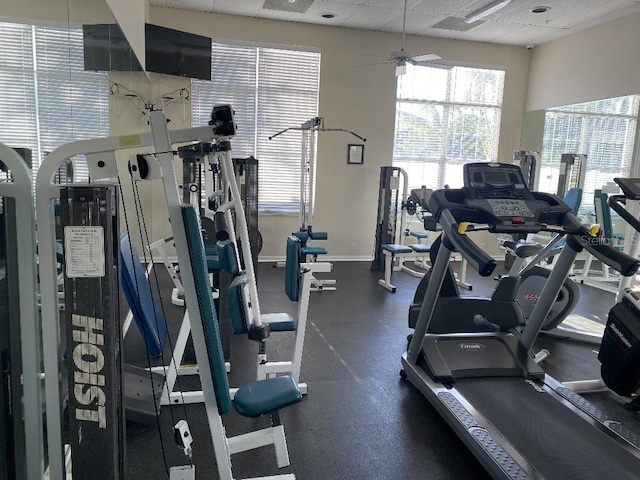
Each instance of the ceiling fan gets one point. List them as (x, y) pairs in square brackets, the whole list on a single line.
[(401, 57)]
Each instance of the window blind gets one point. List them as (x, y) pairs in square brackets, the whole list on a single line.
[(59, 102), (445, 119), (17, 100), (604, 130), (270, 89)]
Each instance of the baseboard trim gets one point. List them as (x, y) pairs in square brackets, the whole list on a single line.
[(322, 258)]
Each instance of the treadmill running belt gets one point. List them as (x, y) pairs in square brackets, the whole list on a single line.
[(556, 442)]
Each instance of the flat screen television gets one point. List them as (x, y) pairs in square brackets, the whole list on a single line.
[(107, 50), (177, 53)]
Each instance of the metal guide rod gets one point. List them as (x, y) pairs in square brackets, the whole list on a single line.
[(241, 221), (21, 190)]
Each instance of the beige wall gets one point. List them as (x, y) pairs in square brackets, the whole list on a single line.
[(132, 15), (362, 100), (600, 62), (56, 11)]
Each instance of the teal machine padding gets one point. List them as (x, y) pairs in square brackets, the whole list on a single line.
[(137, 290), (315, 251), (265, 396), (420, 248), (227, 257), (213, 262), (292, 270), (319, 235), (278, 322), (396, 248), (573, 198), (206, 307), (601, 199), (237, 312)]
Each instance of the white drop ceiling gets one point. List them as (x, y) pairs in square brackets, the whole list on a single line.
[(513, 25)]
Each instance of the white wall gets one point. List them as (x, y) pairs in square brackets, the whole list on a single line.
[(362, 100), (600, 62)]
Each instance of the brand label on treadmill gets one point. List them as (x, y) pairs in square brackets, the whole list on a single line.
[(471, 346), (88, 360), (510, 208)]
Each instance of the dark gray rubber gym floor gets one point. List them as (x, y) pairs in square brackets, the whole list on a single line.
[(359, 420)]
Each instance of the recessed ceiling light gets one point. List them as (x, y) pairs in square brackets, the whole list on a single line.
[(328, 15), (540, 9)]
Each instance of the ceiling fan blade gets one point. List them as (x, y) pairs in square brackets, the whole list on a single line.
[(426, 58), (436, 64), (375, 55), (373, 64)]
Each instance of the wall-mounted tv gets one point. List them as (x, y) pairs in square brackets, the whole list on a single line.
[(177, 53), (107, 49)]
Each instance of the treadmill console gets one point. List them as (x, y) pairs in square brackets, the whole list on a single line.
[(499, 190), (496, 180), (630, 187)]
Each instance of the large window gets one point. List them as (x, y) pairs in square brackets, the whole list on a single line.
[(46, 97), (270, 89), (444, 119), (604, 130)]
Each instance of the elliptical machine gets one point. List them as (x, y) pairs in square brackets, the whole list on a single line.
[(620, 348)]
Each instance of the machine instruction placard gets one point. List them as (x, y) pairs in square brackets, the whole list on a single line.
[(84, 251)]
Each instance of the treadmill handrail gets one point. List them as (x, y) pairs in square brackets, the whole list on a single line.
[(615, 202), (477, 258), (581, 234)]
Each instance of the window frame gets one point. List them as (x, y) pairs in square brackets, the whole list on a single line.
[(452, 110)]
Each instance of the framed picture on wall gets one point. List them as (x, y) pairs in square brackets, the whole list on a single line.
[(355, 154)]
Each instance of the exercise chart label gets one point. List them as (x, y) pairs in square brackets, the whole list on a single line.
[(84, 251)]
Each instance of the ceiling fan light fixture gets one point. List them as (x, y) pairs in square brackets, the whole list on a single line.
[(401, 68), (486, 10)]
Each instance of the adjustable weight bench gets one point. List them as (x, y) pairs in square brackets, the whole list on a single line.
[(395, 255), (262, 397)]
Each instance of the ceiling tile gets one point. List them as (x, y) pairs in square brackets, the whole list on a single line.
[(391, 4), (416, 22), (509, 25), (447, 7), (372, 18), (564, 13), (298, 6), (201, 5), (245, 7)]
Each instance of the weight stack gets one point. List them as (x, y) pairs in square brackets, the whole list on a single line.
[(93, 331)]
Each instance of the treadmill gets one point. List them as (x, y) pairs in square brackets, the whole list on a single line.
[(518, 421)]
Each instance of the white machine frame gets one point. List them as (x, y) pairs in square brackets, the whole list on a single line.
[(100, 154)]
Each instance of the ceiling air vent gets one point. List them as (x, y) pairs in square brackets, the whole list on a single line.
[(455, 23)]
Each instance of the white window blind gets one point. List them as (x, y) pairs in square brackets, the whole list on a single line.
[(270, 89), (444, 119), (604, 130), (58, 101)]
